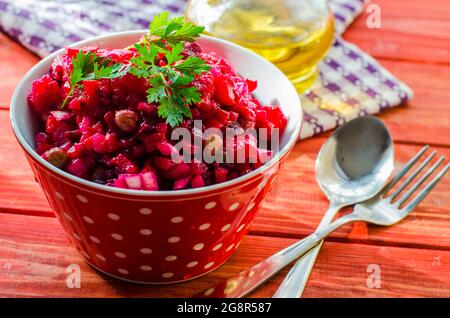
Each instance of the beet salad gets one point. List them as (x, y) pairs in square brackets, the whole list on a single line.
[(108, 114)]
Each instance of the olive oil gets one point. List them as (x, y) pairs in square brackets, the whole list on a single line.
[(293, 34)]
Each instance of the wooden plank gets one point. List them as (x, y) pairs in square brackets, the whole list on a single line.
[(293, 208), (426, 119), (35, 253), (296, 205), (15, 61), (410, 30)]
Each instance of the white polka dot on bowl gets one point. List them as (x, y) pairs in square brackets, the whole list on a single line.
[(198, 247), (174, 239), (204, 226), (251, 206), (171, 258), (233, 207), (113, 216), (75, 235), (82, 198), (176, 219), (94, 239), (100, 257), (210, 205), (225, 227), (120, 254), (230, 247), (145, 268), (117, 236), (123, 271), (217, 247), (88, 220), (145, 211), (240, 228), (192, 264), (146, 250), (59, 195), (209, 292), (68, 217), (209, 265), (145, 232), (167, 275), (85, 254)]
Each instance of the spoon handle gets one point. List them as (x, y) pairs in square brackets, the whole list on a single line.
[(295, 281), (247, 281)]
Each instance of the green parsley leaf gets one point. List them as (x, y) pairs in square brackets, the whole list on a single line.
[(90, 66), (171, 81), (173, 30)]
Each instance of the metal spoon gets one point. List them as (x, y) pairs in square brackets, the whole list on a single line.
[(352, 167), (356, 163)]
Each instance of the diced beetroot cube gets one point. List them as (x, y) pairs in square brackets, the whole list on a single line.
[(111, 143), (197, 182), (146, 108), (224, 93), (166, 149), (261, 116), (151, 141), (181, 183), (220, 174), (61, 115), (134, 182), (98, 143), (163, 163), (276, 116), (45, 94), (221, 115), (177, 171), (77, 167), (123, 163), (252, 85), (42, 143), (149, 181), (233, 116), (75, 151)]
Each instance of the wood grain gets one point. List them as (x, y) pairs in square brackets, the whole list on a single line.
[(292, 209), (412, 30), (414, 256), (35, 254), (15, 61)]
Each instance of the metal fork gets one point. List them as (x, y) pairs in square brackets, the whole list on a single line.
[(383, 209)]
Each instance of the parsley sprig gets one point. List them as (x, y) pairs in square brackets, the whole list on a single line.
[(160, 60), (90, 66), (171, 84)]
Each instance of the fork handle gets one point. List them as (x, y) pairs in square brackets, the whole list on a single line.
[(247, 281), (295, 281)]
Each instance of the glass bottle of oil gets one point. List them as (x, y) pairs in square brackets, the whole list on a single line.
[(293, 34)]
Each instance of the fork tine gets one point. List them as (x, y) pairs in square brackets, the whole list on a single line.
[(408, 194), (427, 189), (412, 176), (405, 169)]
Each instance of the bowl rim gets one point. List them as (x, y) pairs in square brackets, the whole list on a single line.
[(140, 193)]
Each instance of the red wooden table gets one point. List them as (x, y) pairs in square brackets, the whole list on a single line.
[(414, 256)]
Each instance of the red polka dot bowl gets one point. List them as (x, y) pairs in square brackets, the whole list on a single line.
[(165, 236)]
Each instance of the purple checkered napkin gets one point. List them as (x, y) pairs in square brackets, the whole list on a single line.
[(351, 82)]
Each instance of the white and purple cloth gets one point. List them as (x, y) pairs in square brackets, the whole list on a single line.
[(351, 82)]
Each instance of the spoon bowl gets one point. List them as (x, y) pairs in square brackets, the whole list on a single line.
[(351, 167), (355, 163)]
